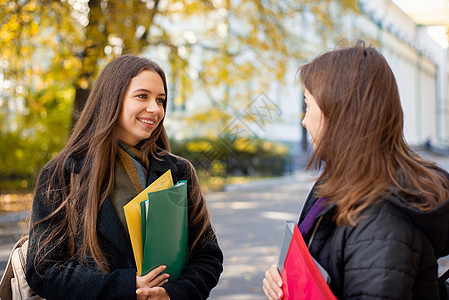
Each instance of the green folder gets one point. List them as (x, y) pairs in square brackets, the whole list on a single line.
[(165, 240), (144, 205)]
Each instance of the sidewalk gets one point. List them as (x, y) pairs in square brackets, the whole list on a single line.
[(14, 217), (12, 226), (439, 156)]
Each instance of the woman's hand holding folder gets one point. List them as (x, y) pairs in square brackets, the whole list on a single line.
[(149, 286), (272, 283), (298, 276)]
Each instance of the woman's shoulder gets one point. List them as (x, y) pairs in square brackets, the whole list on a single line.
[(72, 164), (59, 170), (180, 162), (48, 169), (389, 224), (179, 166), (384, 221), (384, 211)]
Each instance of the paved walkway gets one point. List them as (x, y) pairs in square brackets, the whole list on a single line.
[(11, 228)]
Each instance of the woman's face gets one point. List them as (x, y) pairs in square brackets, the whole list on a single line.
[(314, 118), (142, 108)]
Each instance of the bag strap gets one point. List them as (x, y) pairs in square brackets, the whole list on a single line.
[(443, 277), (5, 283)]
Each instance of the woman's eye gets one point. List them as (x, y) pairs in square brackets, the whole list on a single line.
[(142, 96), (160, 100)]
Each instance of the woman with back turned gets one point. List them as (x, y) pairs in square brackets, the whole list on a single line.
[(380, 216)]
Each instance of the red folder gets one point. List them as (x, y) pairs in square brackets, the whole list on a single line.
[(300, 275)]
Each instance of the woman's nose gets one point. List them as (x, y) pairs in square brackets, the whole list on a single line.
[(152, 106)]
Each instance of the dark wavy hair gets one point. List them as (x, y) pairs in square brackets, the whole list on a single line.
[(361, 148)]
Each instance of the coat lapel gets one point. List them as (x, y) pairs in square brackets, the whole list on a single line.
[(109, 226)]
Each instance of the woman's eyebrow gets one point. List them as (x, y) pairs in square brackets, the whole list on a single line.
[(147, 91)]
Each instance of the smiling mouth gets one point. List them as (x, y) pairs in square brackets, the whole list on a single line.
[(147, 121)]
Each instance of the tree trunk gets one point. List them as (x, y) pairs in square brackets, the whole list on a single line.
[(93, 47), (78, 105)]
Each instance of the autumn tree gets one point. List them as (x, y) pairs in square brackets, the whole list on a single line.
[(255, 43), (51, 52)]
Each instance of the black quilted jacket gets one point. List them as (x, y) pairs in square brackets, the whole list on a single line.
[(391, 254)]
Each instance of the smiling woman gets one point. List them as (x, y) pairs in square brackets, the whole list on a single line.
[(79, 236), (143, 108)]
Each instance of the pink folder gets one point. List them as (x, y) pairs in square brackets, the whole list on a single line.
[(300, 275)]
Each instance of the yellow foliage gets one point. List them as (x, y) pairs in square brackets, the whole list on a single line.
[(25, 18), (25, 51), (34, 28), (13, 24), (193, 7), (211, 116), (67, 64), (83, 83), (39, 85), (198, 146), (245, 145), (6, 36), (217, 167), (19, 154), (267, 146), (281, 149), (30, 6)]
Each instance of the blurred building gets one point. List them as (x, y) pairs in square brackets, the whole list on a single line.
[(419, 63)]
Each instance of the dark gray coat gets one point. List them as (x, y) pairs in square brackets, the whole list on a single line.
[(391, 254), (73, 280)]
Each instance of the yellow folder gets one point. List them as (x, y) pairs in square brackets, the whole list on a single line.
[(133, 215)]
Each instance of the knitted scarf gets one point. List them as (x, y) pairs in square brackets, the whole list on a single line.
[(131, 177)]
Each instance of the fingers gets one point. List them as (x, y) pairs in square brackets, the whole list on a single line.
[(155, 272), (159, 281), (272, 284), (153, 278), (275, 275), (151, 293), (150, 285), (268, 292)]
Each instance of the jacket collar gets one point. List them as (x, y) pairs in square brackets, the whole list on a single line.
[(160, 165)]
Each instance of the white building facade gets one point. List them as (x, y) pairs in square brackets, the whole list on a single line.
[(420, 67)]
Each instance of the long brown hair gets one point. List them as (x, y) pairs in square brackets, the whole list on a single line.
[(361, 148), (93, 140)]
